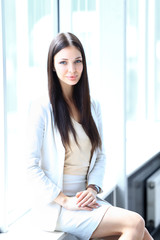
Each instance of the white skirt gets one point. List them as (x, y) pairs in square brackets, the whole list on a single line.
[(79, 223)]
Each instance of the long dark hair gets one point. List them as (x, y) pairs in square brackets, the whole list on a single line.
[(81, 95)]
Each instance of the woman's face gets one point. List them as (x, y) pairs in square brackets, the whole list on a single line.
[(68, 65)]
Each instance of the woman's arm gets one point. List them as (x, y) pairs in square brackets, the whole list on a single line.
[(97, 169), (44, 190)]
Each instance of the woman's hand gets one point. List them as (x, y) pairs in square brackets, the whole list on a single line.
[(87, 198), (70, 203)]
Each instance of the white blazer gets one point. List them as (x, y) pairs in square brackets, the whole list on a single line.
[(45, 161)]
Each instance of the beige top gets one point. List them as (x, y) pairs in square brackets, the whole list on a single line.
[(77, 158)]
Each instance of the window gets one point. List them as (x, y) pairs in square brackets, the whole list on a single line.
[(27, 42), (142, 80)]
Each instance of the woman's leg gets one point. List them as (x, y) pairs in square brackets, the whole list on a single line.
[(124, 224), (147, 235)]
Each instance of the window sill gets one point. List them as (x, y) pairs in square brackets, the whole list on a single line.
[(30, 235), (23, 229)]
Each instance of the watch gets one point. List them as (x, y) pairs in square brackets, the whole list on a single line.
[(95, 187)]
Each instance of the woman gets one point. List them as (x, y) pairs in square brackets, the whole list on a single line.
[(66, 158)]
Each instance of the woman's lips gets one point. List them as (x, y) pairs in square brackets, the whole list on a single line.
[(71, 77)]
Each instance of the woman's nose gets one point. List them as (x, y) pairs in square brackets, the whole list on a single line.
[(71, 67)]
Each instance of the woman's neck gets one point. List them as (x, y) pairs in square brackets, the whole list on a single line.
[(74, 112), (67, 92), (68, 96)]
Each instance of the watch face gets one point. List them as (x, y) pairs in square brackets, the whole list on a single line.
[(97, 188)]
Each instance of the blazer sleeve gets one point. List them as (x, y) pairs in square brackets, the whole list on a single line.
[(43, 188), (96, 175)]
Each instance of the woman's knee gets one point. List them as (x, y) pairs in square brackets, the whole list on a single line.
[(137, 225)]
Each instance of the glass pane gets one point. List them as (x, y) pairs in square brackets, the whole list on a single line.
[(82, 5), (91, 5), (143, 85), (75, 4), (132, 59), (30, 27), (136, 84), (157, 54)]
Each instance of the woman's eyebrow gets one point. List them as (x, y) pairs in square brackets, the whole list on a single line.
[(73, 58), (63, 58)]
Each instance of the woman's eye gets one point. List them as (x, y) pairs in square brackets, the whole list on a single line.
[(78, 61), (63, 62)]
